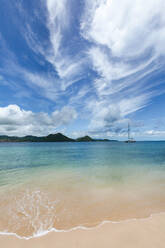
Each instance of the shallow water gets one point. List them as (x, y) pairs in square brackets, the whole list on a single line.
[(64, 185)]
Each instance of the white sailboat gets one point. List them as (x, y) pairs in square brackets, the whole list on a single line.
[(130, 140)]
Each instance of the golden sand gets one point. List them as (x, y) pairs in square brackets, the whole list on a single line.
[(32, 212), (140, 233)]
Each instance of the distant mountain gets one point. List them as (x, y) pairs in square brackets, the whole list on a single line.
[(58, 137), (5, 138), (89, 139), (84, 139)]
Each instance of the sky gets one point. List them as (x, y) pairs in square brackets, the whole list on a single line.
[(82, 67)]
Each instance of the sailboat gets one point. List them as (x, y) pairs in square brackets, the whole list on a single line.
[(130, 140)]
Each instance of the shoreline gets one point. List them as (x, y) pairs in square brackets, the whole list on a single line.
[(153, 227), (105, 234), (81, 227)]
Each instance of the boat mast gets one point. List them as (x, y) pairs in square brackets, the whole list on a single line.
[(128, 131)]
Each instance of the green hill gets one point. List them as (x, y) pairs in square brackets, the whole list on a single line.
[(58, 137), (85, 139)]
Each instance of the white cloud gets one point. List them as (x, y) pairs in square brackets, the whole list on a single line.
[(57, 21), (121, 40), (17, 121), (127, 39), (155, 133), (113, 73), (69, 68), (126, 27), (112, 114), (79, 96)]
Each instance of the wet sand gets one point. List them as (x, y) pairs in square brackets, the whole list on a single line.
[(140, 233)]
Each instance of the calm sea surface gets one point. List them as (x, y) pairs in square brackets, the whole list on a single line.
[(65, 185)]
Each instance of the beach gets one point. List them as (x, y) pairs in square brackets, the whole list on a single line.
[(82, 195), (140, 233), (82, 124)]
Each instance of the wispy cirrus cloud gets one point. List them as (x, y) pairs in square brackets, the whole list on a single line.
[(103, 59), (64, 67), (126, 45), (69, 67), (127, 28)]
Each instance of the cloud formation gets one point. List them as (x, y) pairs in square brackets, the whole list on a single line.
[(100, 58), (68, 67), (126, 38), (17, 121)]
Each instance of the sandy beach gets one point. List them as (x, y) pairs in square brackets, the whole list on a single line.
[(41, 192), (140, 233), (82, 124)]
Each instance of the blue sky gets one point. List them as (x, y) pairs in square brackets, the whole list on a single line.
[(82, 67)]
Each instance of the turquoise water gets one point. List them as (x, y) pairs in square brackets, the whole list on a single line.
[(61, 185), (33, 156)]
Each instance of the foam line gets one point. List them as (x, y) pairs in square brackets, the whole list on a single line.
[(37, 235)]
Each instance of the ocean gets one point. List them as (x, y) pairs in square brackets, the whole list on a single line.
[(61, 186)]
